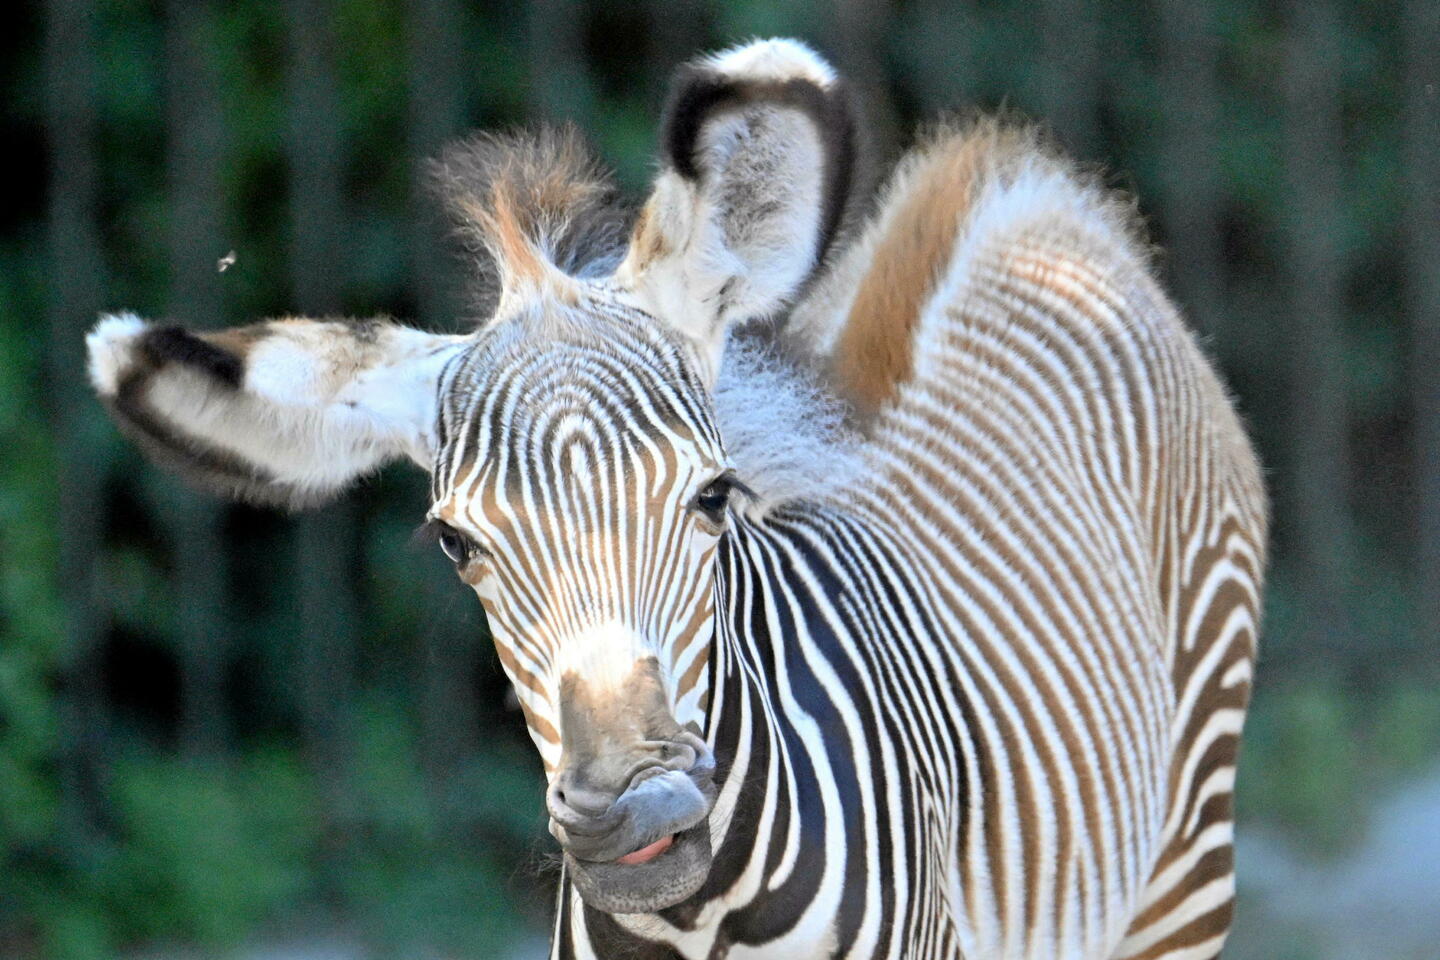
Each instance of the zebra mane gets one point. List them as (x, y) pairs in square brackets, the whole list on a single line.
[(528, 201), (784, 431), (1023, 182)]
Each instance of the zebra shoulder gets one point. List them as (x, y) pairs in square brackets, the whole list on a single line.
[(981, 188)]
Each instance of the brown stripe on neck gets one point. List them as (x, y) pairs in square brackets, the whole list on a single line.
[(874, 353)]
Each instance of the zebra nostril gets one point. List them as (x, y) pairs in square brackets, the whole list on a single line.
[(584, 801)]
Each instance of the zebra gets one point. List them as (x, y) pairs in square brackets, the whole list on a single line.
[(879, 575)]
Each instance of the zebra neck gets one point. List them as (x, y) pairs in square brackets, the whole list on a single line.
[(789, 827), (781, 824)]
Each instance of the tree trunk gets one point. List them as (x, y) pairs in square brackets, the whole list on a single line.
[(77, 272), (860, 34), (449, 711), (1422, 294), (325, 554), (1317, 514), (676, 33), (196, 149), (1070, 74), (436, 114), (1189, 159), (559, 82)]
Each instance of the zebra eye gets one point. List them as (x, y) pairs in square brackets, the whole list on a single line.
[(456, 545), (713, 497)]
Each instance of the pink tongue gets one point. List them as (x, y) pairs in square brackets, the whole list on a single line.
[(646, 854)]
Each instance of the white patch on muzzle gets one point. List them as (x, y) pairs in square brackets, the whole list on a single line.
[(604, 656)]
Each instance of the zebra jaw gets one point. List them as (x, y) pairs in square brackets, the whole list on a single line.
[(667, 877)]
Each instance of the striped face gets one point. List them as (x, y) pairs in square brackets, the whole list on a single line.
[(578, 478), (581, 489)]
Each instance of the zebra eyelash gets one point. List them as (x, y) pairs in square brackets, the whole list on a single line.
[(729, 486), (739, 486), (437, 531)]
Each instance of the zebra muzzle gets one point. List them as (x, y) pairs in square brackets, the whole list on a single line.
[(631, 801), (655, 809)]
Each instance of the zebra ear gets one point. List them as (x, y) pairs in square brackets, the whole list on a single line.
[(283, 412), (758, 152)]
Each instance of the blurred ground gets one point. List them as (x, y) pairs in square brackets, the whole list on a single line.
[(331, 948), (1297, 904)]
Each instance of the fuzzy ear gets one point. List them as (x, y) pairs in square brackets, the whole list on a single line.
[(282, 412), (758, 148)]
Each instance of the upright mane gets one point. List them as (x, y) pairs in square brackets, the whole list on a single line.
[(528, 203)]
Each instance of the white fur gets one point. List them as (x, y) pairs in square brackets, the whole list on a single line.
[(290, 372), (605, 655), (784, 433), (319, 406), (767, 250), (743, 240), (779, 59), (109, 346)]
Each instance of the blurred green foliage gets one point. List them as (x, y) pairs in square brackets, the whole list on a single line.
[(207, 851), (434, 848), (1316, 755)]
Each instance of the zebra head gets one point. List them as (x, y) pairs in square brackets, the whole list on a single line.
[(579, 481)]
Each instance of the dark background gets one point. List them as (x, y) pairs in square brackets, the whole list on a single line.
[(222, 727)]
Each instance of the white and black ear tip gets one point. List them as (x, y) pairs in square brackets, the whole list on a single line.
[(111, 349), (777, 60), (783, 74)]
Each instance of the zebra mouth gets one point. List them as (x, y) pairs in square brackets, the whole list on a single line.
[(652, 850), (648, 853), (665, 877)]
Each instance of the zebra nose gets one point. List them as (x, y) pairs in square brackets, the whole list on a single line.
[(585, 794), (579, 800), (580, 811)]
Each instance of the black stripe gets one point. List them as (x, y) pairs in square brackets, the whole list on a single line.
[(161, 345), (698, 94)]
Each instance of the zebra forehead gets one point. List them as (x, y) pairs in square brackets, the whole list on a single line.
[(532, 392)]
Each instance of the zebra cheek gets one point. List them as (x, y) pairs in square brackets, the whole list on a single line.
[(690, 688), (482, 580)]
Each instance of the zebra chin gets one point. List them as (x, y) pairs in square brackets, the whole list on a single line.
[(672, 876)]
